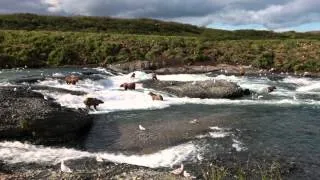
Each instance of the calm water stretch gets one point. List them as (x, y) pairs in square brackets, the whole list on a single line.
[(284, 124)]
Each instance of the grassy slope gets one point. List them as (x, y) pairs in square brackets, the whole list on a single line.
[(170, 42)]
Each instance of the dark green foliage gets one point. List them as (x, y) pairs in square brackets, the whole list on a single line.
[(218, 35), (95, 24), (265, 60), (48, 48), (136, 26)]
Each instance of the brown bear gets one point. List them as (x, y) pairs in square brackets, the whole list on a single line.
[(92, 102), (242, 71), (156, 96), (130, 86), (71, 79)]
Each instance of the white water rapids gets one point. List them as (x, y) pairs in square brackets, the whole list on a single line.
[(116, 99)]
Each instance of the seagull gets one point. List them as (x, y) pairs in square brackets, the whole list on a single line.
[(141, 128), (65, 168), (194, 121), (15, 89), (45, 97), (259, 97), (178, 171), (99, 158), (199, 157)]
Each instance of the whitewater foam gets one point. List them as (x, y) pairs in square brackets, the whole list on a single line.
[(16, 152), (116, 99), (238, 145)]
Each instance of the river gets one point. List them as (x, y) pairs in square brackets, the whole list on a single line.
[(283, 124)]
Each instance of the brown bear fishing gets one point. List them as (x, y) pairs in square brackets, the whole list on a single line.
[(130, 86), (156, 97), (92, 102), (71, 79)]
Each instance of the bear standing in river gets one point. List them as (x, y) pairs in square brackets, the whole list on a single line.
[(130, 86), (71, 79), (92, 102), (156, 96)]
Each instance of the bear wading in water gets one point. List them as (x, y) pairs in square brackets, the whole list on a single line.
[(156, 97), (130, 86), (71, 79), (92, 102)]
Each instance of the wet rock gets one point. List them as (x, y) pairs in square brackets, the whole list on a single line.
[(198, 89), (27, 115), (28, 79)]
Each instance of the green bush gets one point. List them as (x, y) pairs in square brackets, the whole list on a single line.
[(265, 60)]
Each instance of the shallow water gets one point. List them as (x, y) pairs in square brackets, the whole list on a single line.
[(283, 124)]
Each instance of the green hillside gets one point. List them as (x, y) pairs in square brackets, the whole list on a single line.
[(135, 26), (48, 48), (39, 41)]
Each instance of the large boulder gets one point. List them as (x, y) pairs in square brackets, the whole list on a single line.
[(27, 115), (198, 89)]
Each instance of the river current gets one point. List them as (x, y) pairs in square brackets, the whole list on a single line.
[(283, 124)]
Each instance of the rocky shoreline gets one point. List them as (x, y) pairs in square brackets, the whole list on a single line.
[(227, 166), (164, 68)]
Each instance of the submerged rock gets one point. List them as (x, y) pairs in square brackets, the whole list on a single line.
[(27, 115), (198, 89)]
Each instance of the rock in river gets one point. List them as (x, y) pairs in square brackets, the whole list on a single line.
[(198, 89), (26, 115)]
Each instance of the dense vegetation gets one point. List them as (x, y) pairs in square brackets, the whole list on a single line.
[(136, 26), (57, 41), (95, 24), (47, 48)]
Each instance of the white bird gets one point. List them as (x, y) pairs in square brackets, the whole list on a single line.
[(194, 121), (29, 88), (14, 89), (45, 97), (178, 171), (99, 158), (187, 175), (65, 168), (199, 157), (259, 97), (141, 128)]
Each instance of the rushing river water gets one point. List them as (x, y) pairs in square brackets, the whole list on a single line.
[(284, 124)]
